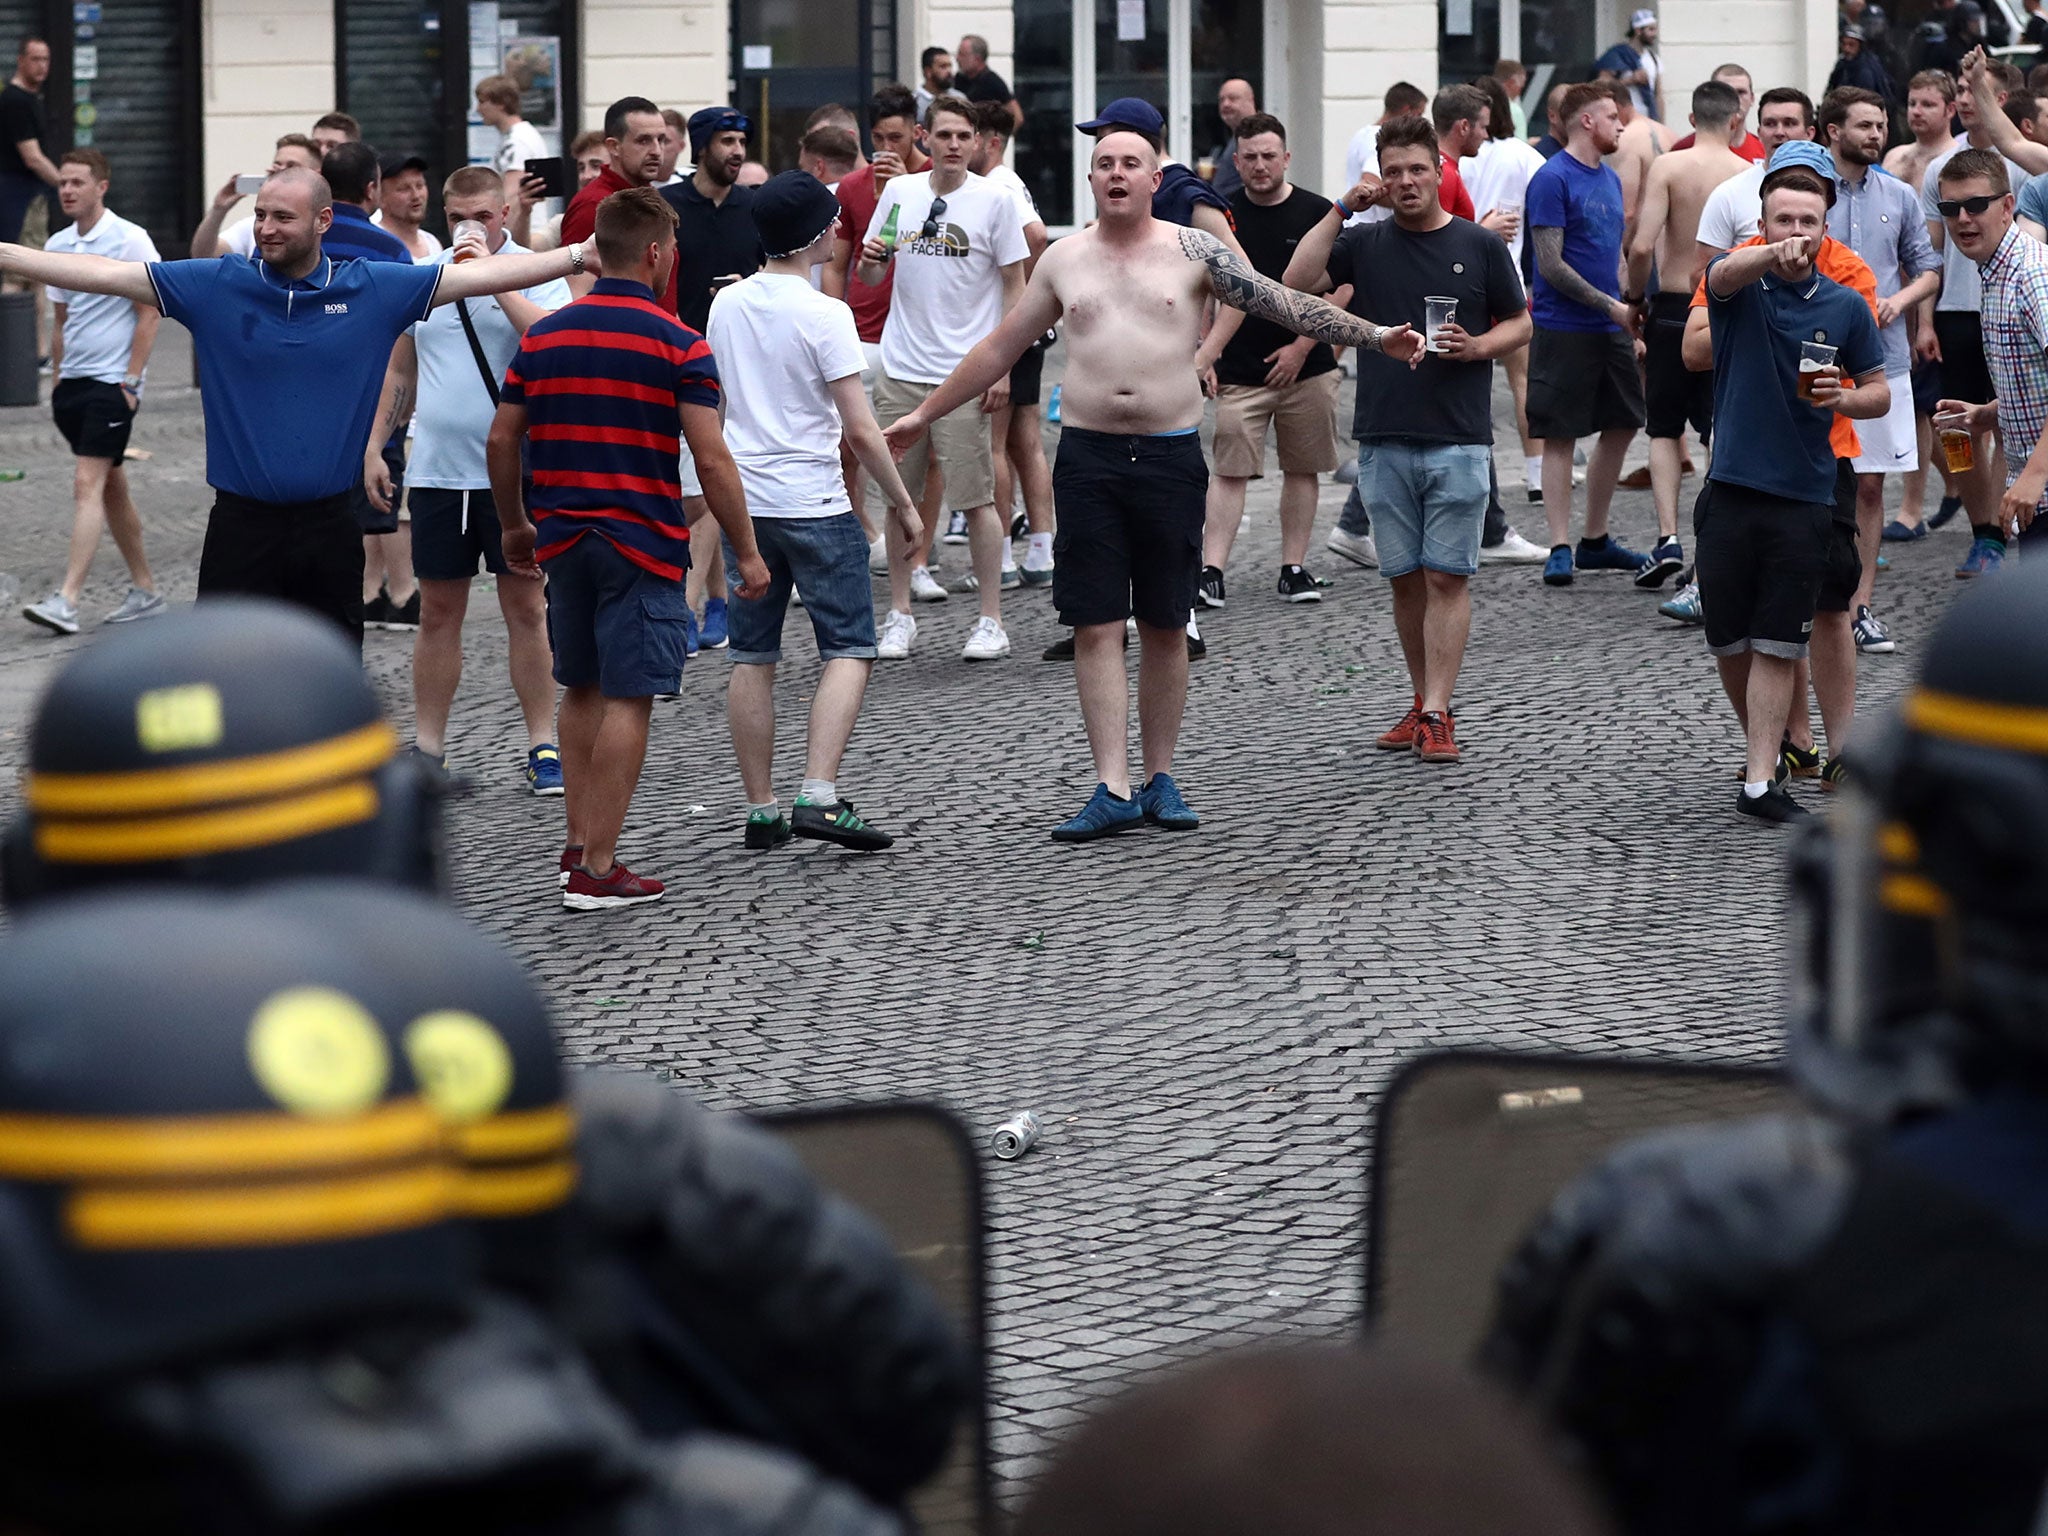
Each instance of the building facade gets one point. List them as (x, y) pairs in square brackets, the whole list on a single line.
[(183, 94)]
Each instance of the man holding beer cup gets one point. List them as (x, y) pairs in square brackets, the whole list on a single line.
[(1976, 205), (1785, 339)]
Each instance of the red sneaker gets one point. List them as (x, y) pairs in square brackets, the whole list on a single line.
[(1402, 737), (571, 857), (1435, 738), (621, 888)]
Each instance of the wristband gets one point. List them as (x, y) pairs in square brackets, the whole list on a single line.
[(576, 259)]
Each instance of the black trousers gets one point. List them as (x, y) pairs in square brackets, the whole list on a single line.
[(309, 553)]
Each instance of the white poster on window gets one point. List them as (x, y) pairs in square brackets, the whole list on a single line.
[(1130, 21)]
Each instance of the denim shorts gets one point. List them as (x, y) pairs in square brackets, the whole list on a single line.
[(826, 559), (1428, 503), (615, 627)]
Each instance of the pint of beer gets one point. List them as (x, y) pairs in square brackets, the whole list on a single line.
[(1813, 357), (1956, 446), (467, 238), (1205, 167)]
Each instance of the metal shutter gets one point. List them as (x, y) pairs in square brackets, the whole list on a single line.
[(391, 78), (139, 111)]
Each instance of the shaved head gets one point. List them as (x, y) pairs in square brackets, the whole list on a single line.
[(295, 183)]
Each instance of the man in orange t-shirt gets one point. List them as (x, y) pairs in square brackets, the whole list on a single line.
[(1833, 644)]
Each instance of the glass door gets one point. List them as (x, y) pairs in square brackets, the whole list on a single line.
[(791, 57)]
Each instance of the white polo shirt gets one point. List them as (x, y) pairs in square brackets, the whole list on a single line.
[(99, 328)]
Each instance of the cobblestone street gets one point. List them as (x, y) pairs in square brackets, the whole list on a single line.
[(1202, 1020)]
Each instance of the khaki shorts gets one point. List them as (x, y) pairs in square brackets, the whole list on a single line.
[(960, 439), (1304, 419)]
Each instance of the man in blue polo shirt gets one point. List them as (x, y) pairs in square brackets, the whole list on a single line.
[(291, 346), (1762, 521)]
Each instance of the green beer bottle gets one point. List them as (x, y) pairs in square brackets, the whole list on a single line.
[(889, 227)]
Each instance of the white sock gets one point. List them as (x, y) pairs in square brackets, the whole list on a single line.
[(1039, 555), (1757, 791), (1532, 468), (1009, 556), (769, 808), (818, 792)]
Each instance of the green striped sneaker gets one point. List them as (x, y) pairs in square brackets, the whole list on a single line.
[(837, 823), (766, 831)]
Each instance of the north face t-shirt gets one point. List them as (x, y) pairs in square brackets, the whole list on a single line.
[(947, 287)]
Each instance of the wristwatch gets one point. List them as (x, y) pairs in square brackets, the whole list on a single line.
[(576, 259), (133, 383)]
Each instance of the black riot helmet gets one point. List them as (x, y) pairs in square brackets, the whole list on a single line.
[(234, 742), (1924, 976)]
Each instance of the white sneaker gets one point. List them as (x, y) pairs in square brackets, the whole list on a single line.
[(1358, 548), (1514, 549), (956, 528), (878, 556), (924, 588), (986, 641), (898, 630), (54, 612)]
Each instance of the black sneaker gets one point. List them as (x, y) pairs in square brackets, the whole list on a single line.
[(836, 823), (378, 610), (1020, 527), (1209, 590), (404, 615), (1197, 647), (1796, 762), (1535, 495), (1773, 805), (1297, 586), (1059, 650), (1834, 773), (765, 831)]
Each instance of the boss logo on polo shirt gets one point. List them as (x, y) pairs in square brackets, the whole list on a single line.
[(337, 309)]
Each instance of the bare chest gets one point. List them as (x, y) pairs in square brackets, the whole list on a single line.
[(1151, 295)]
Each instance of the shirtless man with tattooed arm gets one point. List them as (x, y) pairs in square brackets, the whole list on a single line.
[(1130, 482)]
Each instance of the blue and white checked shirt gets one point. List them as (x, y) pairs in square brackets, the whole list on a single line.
[(2016, 343), (1880, 220)]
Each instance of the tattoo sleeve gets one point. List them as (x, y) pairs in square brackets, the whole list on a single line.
[(1560, 274), (401, 407), (1234, 282)]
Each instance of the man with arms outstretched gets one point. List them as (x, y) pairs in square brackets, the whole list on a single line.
[(292, 347), (1130, 484)]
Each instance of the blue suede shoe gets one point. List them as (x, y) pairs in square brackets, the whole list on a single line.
[(1160, 799), (1896, 532), (1557, 570), (712, 635), (1985, 556), (1103, 814)]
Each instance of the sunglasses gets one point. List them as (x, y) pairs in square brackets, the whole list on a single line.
[(1948, 208), (931, 220)]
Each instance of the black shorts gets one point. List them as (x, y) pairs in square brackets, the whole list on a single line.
[(94, 417), (1130, 527), (309, 553), (1582, 382), (1760, 560), (1964, 373), (1674, 394), (1926, 389), (1028, 373), (1844, 573), (451, 531), (368, 518)]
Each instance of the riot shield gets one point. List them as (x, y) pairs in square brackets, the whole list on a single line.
[(913, 1169), (1469, 1148)]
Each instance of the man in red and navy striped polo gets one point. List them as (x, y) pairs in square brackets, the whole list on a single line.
[(595, 393)]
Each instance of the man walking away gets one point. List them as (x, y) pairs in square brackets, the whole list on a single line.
[(100, 355), (1878, 217), (450, 363), (1582, 360), (1130, 478), (291, 350), (27, 174), (597, 390), (958, 255), (792, 387), (1763, 517), (1425, 439), (1268, 376), (1667, 230)]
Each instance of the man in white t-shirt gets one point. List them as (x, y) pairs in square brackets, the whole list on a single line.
[(499, 104), (1019, 434), (789, 364), (1734, 210), (957, 250), (99, 350), (436, 379)]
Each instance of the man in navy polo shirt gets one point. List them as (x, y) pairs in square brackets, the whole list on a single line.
[(600, 387), (1762, 521), (292, 346)]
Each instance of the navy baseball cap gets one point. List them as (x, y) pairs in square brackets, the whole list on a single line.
[(716, 120), (1130, 112), (391, 165)]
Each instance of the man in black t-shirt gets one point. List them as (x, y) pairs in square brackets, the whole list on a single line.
[(973, 78), (1425, 438), (26, 170), (1268, 375)]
